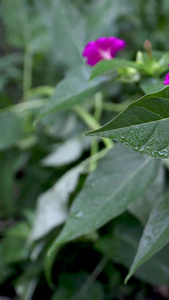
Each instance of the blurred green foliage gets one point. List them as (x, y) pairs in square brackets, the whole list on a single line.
[(44, 157)]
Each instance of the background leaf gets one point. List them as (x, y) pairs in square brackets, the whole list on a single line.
[(67, 152), (73, 89), (11, 126), (67, 33), (53, 204), (105, 66), (121, 246)]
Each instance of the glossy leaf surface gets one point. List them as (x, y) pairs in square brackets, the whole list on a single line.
[(142, 126)]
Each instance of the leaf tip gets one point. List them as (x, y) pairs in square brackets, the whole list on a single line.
[(89, 133), (50, 257), (127, 278)]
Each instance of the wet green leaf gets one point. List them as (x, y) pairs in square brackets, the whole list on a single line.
[(142, 126)]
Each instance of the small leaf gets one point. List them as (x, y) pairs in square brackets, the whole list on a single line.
[(142, 126), (121, 176), (112, 65), (155, 235)]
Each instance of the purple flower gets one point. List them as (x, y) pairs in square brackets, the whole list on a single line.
[(103, 48), (166, 81)]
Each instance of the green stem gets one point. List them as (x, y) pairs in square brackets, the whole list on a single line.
[(91, 122), (44, 90), (94, 141), (95, 158), (23, 107), (142, 9), (27, 77), (98, 106), (94, 150), (116, 107), (91, 279), (86, 117)]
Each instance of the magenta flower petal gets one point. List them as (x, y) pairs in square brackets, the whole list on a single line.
[(103, 48), (104, 43), (166, 81), (92, 53), (119, 44)]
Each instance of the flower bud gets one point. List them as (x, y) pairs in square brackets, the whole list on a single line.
[(148, 48)]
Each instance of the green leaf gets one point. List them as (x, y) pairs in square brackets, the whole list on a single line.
[(73, 89), (121, 176), (10, 128), (112, 65), (67, 152), (68, 29), (155, 235), (19, 250), (121, 246), (70, 287), (100, 18), (152, 85), (142, 126), (163, 63), (52, 207), (25, 26), (10, 163), (25, 286), (15, 16), (142, 207)]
